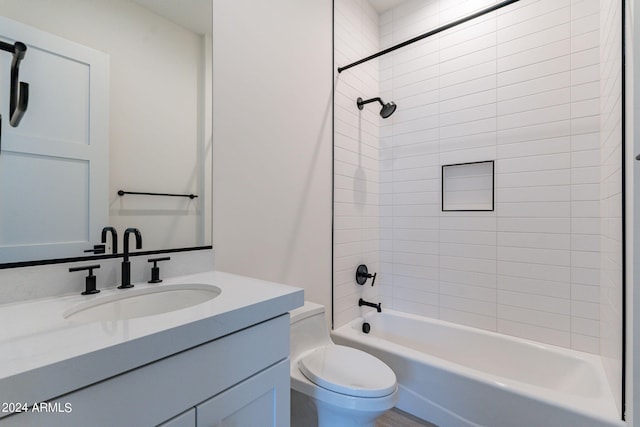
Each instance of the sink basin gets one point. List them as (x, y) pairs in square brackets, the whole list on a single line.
[(133, 303)]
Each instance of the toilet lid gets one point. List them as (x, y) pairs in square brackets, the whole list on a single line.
[(348, 371)]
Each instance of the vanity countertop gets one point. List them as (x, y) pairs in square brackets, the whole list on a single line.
[(44, 355)]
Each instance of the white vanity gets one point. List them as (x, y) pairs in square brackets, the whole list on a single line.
[(224, 360)]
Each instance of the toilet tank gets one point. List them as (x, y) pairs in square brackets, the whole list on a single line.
[(308, 328)]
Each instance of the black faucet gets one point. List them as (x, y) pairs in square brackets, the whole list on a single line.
[(114, 238), (126, 265), (377, 306)]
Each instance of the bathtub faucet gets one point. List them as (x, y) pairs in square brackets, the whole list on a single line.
[(377, 306)]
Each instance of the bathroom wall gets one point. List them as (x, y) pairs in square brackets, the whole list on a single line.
[(519, 86), (611, 193), (272, 141), (356, 157)]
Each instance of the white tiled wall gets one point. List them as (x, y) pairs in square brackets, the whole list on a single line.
[(356, 165), (520, 86), (610, 194)]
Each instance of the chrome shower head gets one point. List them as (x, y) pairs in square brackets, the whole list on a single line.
[(387, 109)]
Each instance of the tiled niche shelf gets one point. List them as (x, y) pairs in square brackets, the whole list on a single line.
[(468, 187)]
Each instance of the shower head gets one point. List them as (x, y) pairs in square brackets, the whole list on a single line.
[(387, 109)]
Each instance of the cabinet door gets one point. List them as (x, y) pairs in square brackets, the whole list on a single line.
[(260, 401)]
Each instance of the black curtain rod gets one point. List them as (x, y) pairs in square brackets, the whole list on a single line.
[(429, 33)]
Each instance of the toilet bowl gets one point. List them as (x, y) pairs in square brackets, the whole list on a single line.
[(334, 385)]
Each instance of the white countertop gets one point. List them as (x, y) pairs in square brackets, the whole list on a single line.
[(44, 355)]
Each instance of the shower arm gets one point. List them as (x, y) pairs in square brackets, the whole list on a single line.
[(361, 103)]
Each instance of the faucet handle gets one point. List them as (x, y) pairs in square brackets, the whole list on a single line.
[(362, 274), (155, 270), (90, 280)]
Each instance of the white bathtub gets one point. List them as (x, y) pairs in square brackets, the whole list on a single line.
[(453, 375)]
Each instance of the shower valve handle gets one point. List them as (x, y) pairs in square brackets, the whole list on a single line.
[(362, 274)]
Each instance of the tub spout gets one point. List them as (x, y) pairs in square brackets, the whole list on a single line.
[(377, 306)]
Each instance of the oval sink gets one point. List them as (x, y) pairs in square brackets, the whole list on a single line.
[(130, 304)]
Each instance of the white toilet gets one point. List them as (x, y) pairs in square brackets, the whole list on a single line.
[(334, 385)]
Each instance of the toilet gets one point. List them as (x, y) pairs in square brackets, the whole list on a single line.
[(334, 385)]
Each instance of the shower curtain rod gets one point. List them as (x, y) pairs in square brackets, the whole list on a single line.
[(429, 33)]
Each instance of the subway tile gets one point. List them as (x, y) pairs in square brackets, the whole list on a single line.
[(539, 69), (586, 293), (471, 73), (585, 175), (584, 75), (560, 161), (543, 319), (536, 132), (468, 264), (556, 15), (467, 305), (467, 250), (532, 148), (475, 279), (537, 240), (535, 255), (584, 91), (585, 242), (538, 85), (586, 310), (468, 237), (588, 124), (469, 319), (535, 209), (535, 101), (585, 41), (535, 225), (585, 58), (534, 56), (556, 193), (428, 310), (585, 343), (479, 84), (585, 225), (585, 192), (469, 114), (533, 40), (535, 287), (534, 332), (470, 58), (534, 117), (530, 301), (534, 271)]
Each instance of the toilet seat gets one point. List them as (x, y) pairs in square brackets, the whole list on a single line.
[(348, 371)]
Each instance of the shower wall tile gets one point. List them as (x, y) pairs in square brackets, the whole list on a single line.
[(357, 143), (519, 86)]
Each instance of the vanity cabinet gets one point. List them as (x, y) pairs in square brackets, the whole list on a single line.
[(238, 379)]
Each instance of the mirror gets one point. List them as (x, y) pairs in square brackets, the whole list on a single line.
[(157, 116)]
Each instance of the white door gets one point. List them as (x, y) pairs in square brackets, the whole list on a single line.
[(54, 166)]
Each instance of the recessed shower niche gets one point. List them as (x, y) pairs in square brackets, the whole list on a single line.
[(468, 187)]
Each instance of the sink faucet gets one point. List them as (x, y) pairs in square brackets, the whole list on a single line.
[(126, 265), (114, 238)]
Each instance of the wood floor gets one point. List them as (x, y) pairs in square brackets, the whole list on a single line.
[(397, 418)]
